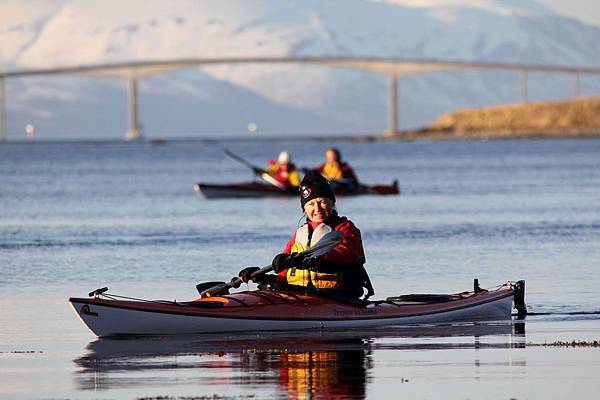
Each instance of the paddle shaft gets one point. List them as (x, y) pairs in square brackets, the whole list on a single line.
[(238, 281), (234, 283), (258, 171), (327, 242), (240, 159)]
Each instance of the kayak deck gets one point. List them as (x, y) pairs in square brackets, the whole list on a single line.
[(256, 189), (266, 310)]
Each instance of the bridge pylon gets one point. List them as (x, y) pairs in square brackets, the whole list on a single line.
[(2, 112), (392, 104), (134, 131)]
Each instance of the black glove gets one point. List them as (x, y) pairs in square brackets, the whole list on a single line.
[(310, 263), (266, 281), (284, 261), (258, 171), (246, 272)]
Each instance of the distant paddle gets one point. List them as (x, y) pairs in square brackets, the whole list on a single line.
[(258, 171), (323, 246)]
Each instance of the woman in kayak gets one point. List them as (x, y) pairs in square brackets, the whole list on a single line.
[(341, 271), (284, 171), (336, 171)]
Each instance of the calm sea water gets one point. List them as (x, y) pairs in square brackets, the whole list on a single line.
[(76, 216)]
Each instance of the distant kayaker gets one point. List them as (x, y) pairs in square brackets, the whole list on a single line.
[(341, 271), (284, 171), (339, 173)]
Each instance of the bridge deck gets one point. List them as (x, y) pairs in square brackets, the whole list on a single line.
[(393, 67)]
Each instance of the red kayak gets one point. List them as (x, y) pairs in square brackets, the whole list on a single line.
[(256, 189), (277, 310)]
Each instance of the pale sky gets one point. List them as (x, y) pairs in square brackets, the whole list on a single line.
[(585, 10)]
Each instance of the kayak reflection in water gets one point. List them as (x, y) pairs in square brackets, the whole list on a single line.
[(284, 171), (339, 173), (315, 374), (297, 366), (341, 271)]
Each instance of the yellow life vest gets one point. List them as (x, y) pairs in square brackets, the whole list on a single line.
[(333, 171), (305, 277)]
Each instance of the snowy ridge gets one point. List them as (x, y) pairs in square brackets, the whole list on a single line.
[(503, 7)]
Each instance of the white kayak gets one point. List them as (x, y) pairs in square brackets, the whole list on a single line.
[(279, 310)]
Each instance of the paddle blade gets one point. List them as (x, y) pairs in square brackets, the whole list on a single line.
[(218, 290), (202, 287), (269, 179)]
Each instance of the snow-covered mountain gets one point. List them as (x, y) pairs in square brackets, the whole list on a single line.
[(285, 99)]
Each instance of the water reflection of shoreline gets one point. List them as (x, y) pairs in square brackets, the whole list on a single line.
[(318, 364)]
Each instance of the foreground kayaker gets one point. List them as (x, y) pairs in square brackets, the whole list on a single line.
[(341, 271), (284, 171), (339, 173)]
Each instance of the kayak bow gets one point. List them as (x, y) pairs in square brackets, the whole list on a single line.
[(277, 310)]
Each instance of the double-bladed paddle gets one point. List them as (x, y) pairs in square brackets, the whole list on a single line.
[(258, 171), (323, 246)]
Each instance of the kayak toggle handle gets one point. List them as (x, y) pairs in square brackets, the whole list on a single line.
[(98, 292)]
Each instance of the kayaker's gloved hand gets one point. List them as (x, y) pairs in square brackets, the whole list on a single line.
[(264, 280), (310, 263), (258, 171), (246, 273), (284, 261)]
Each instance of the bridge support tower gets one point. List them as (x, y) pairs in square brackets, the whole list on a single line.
[(392, 105), (134, 131), (2, 112)]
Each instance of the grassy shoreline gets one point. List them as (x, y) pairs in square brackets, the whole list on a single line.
[(578, 118)]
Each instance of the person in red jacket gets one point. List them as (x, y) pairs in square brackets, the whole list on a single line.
[(284, 171), (341, 270)]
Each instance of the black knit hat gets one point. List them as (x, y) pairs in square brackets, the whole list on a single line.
[(314, 185)]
